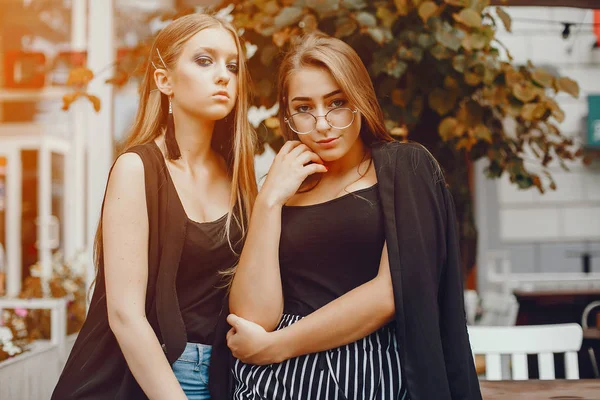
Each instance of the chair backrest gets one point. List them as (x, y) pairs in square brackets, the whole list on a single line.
[(586, 313), (499, 309), (519, 341)]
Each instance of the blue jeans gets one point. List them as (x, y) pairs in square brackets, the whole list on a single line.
[(191, 370)]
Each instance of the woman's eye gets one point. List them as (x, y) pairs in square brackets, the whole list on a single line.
[(302, 108), (204, 61), (338, 103), (233, 68)]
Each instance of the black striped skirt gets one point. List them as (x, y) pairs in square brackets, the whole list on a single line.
[(368, 369)]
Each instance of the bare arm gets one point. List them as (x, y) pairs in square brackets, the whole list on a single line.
[(353, 316), (125, 235), (256, 292)]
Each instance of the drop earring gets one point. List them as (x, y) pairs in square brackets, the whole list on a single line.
[(173, 152)]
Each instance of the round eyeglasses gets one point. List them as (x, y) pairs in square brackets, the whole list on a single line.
[(304, 122)]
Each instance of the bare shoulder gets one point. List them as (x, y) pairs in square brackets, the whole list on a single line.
[(128, 164), (127, 179)]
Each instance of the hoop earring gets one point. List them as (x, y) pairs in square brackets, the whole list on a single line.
[(173, 152)]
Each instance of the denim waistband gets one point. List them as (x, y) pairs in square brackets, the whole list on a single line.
[(196, 353)]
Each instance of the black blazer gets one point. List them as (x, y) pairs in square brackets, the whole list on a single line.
[(422, 241)]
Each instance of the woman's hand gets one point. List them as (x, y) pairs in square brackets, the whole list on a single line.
[(251, 344), (291, 167)]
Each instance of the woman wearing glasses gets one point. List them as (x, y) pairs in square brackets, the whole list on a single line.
[(349, 285)]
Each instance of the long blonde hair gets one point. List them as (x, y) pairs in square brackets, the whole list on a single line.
[(347, 69), (235, 139)]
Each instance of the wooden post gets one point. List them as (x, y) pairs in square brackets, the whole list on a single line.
[(101, 56)]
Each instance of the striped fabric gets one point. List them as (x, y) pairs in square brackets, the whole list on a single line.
[(368, 369)]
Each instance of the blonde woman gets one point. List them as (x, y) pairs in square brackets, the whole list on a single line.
[(349, 285), (173, 219)]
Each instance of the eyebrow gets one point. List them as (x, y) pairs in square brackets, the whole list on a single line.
[(213, 52), (338, 91)]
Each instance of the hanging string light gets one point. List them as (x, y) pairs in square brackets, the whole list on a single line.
[(566, 25), (567, 30)]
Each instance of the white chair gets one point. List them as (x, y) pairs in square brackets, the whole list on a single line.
[(519, 341), (584, 323)]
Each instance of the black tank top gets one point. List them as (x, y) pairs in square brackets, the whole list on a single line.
[(201, 288), (330, 248)]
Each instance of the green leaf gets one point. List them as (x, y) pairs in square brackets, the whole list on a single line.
[(460, 63), (345, 27), (386, 16), (533, 111), (396, 68), (425, 40), (472, 78), (427, 9), (288, 16), (505, 18), (354, 4), (94, 100), (542, 77), (442, 101), (482, 132), (447, 128), (524, 91), (568, 85), (366, 19), (474, 41), (403, 6), (469, 17), (380, 35), (449, 39), (413, 54), (440, 52), (458, 3), (479, 5)]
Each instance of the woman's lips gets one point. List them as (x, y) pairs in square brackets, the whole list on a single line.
[(328, 143), (223, 96)]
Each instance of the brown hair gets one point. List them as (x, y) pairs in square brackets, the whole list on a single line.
[(347, 69), (236, 140)]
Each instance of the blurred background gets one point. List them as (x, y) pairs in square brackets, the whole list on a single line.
[(506, 94)]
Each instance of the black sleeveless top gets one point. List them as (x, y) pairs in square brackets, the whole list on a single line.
[(330, 248), (201, 287)]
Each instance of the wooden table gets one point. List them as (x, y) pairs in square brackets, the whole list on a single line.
[(584, 389), (591, 333)]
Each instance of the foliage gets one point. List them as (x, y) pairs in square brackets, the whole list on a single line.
[(22, 327), (435, 64), (440, 75)]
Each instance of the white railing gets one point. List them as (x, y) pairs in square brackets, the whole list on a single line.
[(499, 272), (34, 373)]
